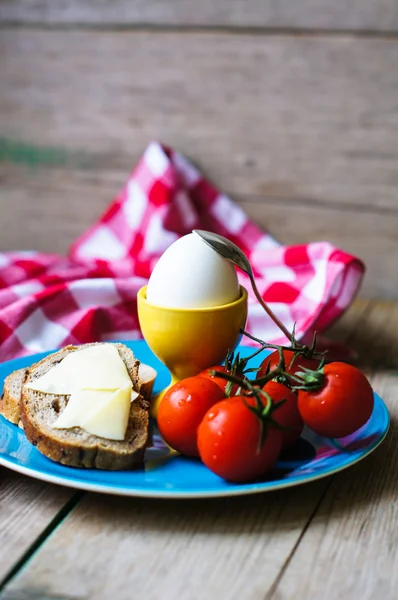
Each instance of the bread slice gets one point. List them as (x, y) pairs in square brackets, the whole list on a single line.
[(12, 391), (147, 376), (75, 447), (10, 399)]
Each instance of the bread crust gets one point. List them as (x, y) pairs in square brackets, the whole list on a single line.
[(11, 396), (147, 376)]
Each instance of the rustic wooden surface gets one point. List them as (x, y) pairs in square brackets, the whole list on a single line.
[(290, 108), (335, 538), (369, 327), (64, 204), (269, 116), (378, 15), (301, 130), (231, 548), (350, 548), (27, 509)]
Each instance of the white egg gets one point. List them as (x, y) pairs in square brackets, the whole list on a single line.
[(190, 274)]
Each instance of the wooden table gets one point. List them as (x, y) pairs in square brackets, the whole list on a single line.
[(289, 107), (335, 538)]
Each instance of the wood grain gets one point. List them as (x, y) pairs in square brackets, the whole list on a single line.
[(350, 548), (370, 235), (228, 548), (47, 210), (369, 327), (372, 333), (279, 117), (380, 15), (27, 508), (60, 204), (302, 131)]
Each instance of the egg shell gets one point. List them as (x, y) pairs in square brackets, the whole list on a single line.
[(190, 274)]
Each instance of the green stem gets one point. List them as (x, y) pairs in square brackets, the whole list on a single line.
[(250, 336), (245, 382)]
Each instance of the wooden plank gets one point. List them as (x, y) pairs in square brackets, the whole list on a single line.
[(375, 338), (48, 209), (368, 327), (270, 116), (228, 548), (380, 15), (50, 217), (344, 329), (367, 234), (27, 508), (350, 548)]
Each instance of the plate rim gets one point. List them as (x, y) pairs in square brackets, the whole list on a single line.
[(264, 487), (140, 493)]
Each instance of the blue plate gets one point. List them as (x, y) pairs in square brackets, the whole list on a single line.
[(171, 476)]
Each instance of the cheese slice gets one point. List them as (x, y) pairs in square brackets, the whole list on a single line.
[(98, 367), (103, 413), (111, 420)]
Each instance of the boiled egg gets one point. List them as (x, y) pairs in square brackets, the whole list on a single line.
[(190, 274)]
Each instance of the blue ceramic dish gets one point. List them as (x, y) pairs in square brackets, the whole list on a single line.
[(172, 476)]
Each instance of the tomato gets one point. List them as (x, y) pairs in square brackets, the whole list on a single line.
[(222, 383), (228, 439), (181, 410), (287, 415), (341, 406), (299, 362)]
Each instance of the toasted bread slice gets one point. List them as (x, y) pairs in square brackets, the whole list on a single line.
[(75, 447), (10, 399), (12, 391)]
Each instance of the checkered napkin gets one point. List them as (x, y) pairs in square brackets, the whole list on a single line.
[(48, 301)]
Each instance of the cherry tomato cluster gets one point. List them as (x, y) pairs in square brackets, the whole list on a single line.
[(239, 426)]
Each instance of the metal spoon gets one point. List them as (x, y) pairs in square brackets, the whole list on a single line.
[(231, 252)]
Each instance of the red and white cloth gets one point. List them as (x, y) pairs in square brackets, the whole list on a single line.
[(48, 301)]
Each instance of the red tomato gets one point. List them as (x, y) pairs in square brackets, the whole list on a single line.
[(228, 439), (287, 415), (299, 362), (342, 405), (222, 383), (181, 410)]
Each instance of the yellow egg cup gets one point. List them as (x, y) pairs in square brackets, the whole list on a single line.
[(188, 340)]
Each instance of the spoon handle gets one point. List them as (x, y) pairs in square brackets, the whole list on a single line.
[(269, 311)]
